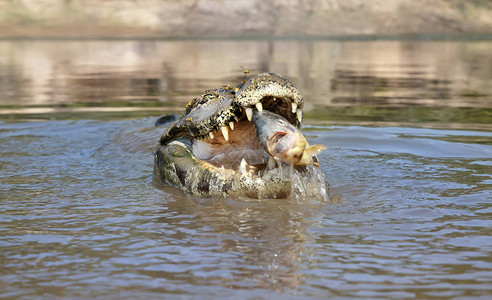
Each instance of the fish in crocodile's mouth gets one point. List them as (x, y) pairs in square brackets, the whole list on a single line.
[(259, 138), (237, 141)]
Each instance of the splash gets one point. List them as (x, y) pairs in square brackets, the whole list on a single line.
[(285, 170), (310, 184)]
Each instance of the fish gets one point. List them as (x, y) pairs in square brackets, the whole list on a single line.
[(284, 141)]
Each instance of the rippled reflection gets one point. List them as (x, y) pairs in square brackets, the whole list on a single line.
[(156, 73)]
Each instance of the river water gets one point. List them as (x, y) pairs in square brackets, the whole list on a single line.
[(408, 125)]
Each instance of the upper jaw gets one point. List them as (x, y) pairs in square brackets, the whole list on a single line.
[(219, 109), (266, 91), (272, 92)]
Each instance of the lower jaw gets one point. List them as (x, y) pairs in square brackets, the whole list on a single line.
[(175, 165)]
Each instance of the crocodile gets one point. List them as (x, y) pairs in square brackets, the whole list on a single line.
[(242, 141)]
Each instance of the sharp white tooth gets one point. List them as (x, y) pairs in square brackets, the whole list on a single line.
[(294, 107), (271, 163), (299, 115), (249, 113), (211, 134), (225, 132), (242, 166), (274, 99), (231, 124), (259, 106), (236, 118)]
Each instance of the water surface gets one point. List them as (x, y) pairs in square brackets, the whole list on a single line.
[(408, 130)]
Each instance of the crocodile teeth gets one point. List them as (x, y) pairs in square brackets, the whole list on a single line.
[(231, 124), (225, 132), (271, 163), (211, 134), (294, 107), (259, 106), (249, 113), (299, 115), (242, 166)]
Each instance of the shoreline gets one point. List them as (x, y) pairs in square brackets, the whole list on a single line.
[(149, 35)]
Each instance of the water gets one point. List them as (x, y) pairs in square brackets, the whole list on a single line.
[(408, 130)]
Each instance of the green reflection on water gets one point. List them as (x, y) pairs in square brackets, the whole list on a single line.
[(377, 115), (103, 116), (403, 114)]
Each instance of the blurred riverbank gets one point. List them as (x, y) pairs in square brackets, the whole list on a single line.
[(228, 18)]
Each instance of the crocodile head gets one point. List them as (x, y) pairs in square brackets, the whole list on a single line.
[(242, 141)]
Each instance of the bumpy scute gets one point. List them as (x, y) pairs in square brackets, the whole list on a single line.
[(203, 115), (267, 85)]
